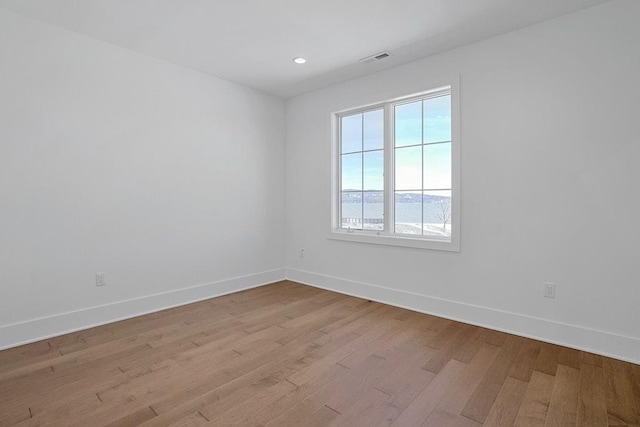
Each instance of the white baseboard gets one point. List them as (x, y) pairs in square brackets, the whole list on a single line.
[(578, 337), (16, 334)]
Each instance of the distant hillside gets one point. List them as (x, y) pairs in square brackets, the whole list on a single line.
[(378, 197)]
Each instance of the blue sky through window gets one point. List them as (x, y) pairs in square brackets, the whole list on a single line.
[(420, 122)]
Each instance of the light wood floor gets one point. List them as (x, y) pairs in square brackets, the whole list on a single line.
[(292, 355)]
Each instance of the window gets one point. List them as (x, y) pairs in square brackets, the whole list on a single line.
[(396, 172)]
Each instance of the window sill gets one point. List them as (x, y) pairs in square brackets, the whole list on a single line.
[(395, 240)]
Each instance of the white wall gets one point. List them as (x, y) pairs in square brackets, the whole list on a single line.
[(167, 179), (550, 151), (162, 177)]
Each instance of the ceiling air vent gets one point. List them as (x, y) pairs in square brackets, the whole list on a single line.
[(376, 57)]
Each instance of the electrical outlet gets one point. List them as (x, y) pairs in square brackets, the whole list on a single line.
[(549, 290), (100, 279), (302, 253)]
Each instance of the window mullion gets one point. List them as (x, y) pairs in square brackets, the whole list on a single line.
[(422, 168), (338, 197), (389, 171), (361, 171)]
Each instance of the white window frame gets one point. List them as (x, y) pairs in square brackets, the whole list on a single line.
[(388, 237)]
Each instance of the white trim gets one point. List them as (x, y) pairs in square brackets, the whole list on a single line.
[(392, 240), (579, 337), (15, 334)]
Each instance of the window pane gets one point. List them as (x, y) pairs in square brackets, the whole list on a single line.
[(437, 166), (373, 129), (408, 168), (408, 212), (374, 170), (351, 133), (437, 214), (351, 209), (351, 172), (408, 124), (437, 119), (373, 210), (396, 157)]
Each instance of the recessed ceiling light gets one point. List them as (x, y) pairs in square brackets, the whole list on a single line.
[(299, 60)]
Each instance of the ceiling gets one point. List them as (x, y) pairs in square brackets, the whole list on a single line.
[(253, 42)]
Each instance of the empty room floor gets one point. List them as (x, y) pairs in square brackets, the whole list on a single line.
[(293, 355)]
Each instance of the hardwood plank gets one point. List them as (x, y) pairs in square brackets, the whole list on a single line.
[(547, 361), (466, 352), (458, 339), (460, 389), (188, 390), (367, 411), (319, 418), (133, 419), (67, 411), (399, 382), (288, 406), (592, 406), (238, 372), (440, 418), (522, 368), (194, 419), (396, 335), (78, 392), (13, 414), (621, 405), (29, 354), (318, 367), (497, 338), (243, 413), (344, 392), (636, 386), (564, 397), (296, 415), (428, 399), (569, 357), (483, 398), (505, 409), (30, 351), (409, 379), (591, 359), (359, 316), (447, 331), (535, 405)]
